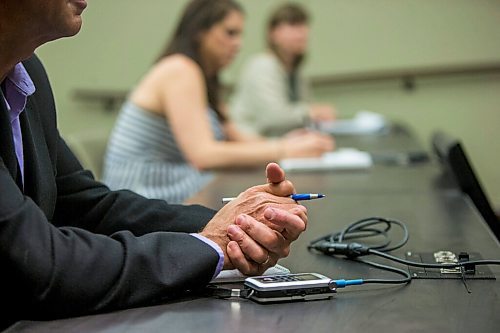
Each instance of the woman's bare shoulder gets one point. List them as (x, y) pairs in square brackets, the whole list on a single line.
[(177, 65)]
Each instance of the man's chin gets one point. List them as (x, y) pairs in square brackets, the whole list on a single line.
[(73, 27), (69, 31)]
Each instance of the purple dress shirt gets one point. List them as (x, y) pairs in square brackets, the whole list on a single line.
[(217, 248)]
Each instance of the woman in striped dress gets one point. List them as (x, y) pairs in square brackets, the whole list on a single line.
[(172, 130)]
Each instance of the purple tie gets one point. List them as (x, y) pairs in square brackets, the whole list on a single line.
[(17, 87), (18, 144)]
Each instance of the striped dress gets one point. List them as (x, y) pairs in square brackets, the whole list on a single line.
[(143, 156)]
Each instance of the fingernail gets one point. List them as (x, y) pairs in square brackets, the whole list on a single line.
[(233, 230), (240, 219), (269, 213), (232, 245)]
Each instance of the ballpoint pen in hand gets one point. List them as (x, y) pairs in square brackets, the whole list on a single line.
[(295, 196)]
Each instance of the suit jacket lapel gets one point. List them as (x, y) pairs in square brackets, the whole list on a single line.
[(7, 151)]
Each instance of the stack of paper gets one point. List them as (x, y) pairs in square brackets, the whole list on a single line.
[(342, 159), (365, 122)]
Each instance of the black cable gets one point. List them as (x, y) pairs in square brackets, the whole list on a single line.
[(429, 265), (213, 290), (407, 275), (335, 244), (366, 228)]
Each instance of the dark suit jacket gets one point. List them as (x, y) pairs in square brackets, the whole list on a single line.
[(69, 245)]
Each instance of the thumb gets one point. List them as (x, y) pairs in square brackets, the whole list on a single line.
[(274, 173), (277, 183)]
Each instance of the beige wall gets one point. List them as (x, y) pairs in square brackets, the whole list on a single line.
[(120, 39)]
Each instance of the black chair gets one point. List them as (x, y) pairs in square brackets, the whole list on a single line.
[(454, 159)]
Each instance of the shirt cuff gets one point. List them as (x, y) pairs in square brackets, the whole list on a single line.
[(217, 248)]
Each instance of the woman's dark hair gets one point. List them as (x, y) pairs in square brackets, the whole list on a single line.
[(288, 13), (200, 16)]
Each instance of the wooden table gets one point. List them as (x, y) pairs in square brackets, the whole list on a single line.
[(438, 216)]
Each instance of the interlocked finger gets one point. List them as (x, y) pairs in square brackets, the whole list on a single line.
[(293, 225), (252, 249)]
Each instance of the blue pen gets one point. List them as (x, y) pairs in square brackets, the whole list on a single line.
[(296, 197), (306, 196)]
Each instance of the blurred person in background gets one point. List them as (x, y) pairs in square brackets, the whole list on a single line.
[(271, 97), (174, 127)]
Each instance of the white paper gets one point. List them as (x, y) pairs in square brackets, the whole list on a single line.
[(364, 122), (341, 159), (235, 275)]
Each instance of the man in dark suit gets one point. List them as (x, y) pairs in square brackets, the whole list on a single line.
[(70, 246)]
